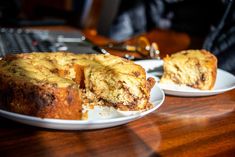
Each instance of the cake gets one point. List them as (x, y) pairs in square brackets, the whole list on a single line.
[(194, 68), (59, 85)]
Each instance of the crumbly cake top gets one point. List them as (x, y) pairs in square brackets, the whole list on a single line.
[(183, 56), (48, 67)]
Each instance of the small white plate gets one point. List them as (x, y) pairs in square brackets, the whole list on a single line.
[(157, 97), (224, 82)]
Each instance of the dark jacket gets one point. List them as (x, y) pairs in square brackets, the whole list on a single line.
[(221, 39)]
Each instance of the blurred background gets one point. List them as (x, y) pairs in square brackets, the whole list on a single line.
[(210, 21), (118, 19)]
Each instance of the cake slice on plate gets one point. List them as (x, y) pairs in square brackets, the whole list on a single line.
[(193, 68)]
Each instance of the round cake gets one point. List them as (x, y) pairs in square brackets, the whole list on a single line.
[(59, 85)]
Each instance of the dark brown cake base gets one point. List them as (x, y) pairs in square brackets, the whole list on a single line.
[(44, 101)]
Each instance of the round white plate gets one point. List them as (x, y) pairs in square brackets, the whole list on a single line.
[(224, 82), (157, 97)]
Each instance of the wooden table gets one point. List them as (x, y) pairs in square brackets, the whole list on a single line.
[(203, 126)]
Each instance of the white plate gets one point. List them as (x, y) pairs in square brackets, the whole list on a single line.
[(152, 66), (224, 82), (157, 98)]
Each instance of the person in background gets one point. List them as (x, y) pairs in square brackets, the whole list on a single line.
[(221, 39), (213, 20)]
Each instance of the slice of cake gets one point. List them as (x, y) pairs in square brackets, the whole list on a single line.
[(194, 68), (59, 85)]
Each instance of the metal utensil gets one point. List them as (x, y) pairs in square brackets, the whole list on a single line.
[(141, 46)]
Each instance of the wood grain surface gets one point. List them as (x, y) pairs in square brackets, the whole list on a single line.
[(203, 126)]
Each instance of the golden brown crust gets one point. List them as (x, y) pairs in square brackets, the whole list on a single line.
[(57, 85), (194, 68)]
